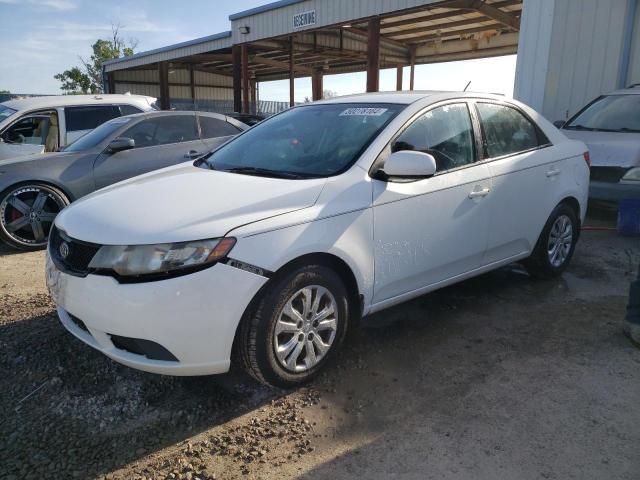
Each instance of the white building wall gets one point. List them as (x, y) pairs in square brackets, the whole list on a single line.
[(634, 63), (569, 53)]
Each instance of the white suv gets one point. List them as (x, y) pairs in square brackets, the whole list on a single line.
[(43, 124), (278, 241)]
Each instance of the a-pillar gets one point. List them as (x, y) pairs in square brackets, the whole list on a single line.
[(373, 55)]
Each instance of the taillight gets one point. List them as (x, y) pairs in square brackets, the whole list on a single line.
[(587, 158)]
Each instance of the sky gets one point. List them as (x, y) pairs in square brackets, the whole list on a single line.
[(40, 38)]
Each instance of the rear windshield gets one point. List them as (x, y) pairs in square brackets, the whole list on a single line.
[(318, 140), (97, 135), (6, 112), (611, 113)]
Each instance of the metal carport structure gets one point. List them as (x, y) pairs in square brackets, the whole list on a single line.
[(312, 38)]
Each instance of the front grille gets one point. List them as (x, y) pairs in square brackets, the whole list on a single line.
[(78, 254), (608, 174)]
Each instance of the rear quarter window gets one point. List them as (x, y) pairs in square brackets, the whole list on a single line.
[(89, 117)]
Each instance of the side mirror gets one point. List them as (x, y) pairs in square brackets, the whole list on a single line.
[(408, 164), (121, 143), (559, 123)]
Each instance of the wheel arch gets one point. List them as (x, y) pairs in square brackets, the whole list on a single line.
[(49, 183), (329, 260)]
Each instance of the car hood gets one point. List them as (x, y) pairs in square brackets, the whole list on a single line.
[(182, 203), (609, 149), (33, 158)]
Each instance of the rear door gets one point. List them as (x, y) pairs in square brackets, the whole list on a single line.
[(524, 172), (160, 141)]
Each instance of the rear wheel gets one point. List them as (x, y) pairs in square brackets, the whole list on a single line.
[(556, 244), (296, 327), (27, 213)]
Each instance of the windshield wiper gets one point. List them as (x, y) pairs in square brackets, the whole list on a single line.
[(626, 130), (264, 172), (579, 127)]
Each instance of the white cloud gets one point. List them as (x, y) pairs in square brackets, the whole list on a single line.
[(55, 4)]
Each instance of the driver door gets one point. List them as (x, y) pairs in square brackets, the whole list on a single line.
[(160, 141), (432, 230)]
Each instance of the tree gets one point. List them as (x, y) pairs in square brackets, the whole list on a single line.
[(88, 77), (5, 91)]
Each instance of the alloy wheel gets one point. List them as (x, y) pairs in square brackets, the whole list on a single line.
[(560, 241), (306, 328), (27, 213)]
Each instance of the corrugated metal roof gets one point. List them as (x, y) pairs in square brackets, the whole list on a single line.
[(198, 45), (263, 8)]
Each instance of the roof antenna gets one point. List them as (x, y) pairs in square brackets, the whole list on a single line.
[(465, 88)]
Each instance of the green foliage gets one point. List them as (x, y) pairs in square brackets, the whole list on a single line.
[(5, 91), (88, 77)]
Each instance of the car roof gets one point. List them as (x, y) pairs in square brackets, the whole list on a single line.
[(408, 97), (53, 101)]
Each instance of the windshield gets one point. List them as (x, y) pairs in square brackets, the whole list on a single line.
[(97, 135), (304, 142), (6, 112), (612, 113)]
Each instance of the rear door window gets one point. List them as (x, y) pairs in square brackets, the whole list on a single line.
[(214, 127), (507, 131), (89, 117), (163, 130)]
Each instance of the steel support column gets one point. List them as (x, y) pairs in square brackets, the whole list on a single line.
[(245, 78), (413, 67), (399, 78), (316, 84), (291, 74), (163, 72), (373, 55), (236, 57), (252, 87)]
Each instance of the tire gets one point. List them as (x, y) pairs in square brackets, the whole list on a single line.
[(17, 209), (554, 249), (260, 342)]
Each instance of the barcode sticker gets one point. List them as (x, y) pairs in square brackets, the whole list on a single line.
[(366, 111)]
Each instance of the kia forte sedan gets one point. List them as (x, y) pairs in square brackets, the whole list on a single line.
[(273, 246)]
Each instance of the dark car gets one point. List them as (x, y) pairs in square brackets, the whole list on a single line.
[(248, 118), (34, 188)]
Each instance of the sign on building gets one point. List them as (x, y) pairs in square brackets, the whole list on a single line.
[(304, 19)]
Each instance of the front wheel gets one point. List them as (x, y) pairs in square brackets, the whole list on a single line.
[(296, 327), (27, 213), (556, 244)]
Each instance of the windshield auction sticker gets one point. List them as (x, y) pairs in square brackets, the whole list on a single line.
[(365, 111)]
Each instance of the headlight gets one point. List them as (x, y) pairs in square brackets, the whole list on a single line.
[(163, 258), (632, 174)]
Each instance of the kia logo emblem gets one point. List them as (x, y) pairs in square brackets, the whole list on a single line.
[(64, 249)]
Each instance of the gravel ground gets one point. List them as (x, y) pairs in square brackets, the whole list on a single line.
[(498, 377)]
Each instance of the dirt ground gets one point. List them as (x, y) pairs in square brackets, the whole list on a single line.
[(498, 377)]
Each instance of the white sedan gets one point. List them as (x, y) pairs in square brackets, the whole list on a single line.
[(274, 245)]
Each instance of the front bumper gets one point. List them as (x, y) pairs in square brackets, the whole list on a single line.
[(194, 316), (613, 192)]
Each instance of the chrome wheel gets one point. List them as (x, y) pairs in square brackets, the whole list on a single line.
[(27, 213), (560, 241), (306, 328)]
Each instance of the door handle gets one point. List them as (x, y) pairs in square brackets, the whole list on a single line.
[(479, 193), (192, 154), (552, 172)]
